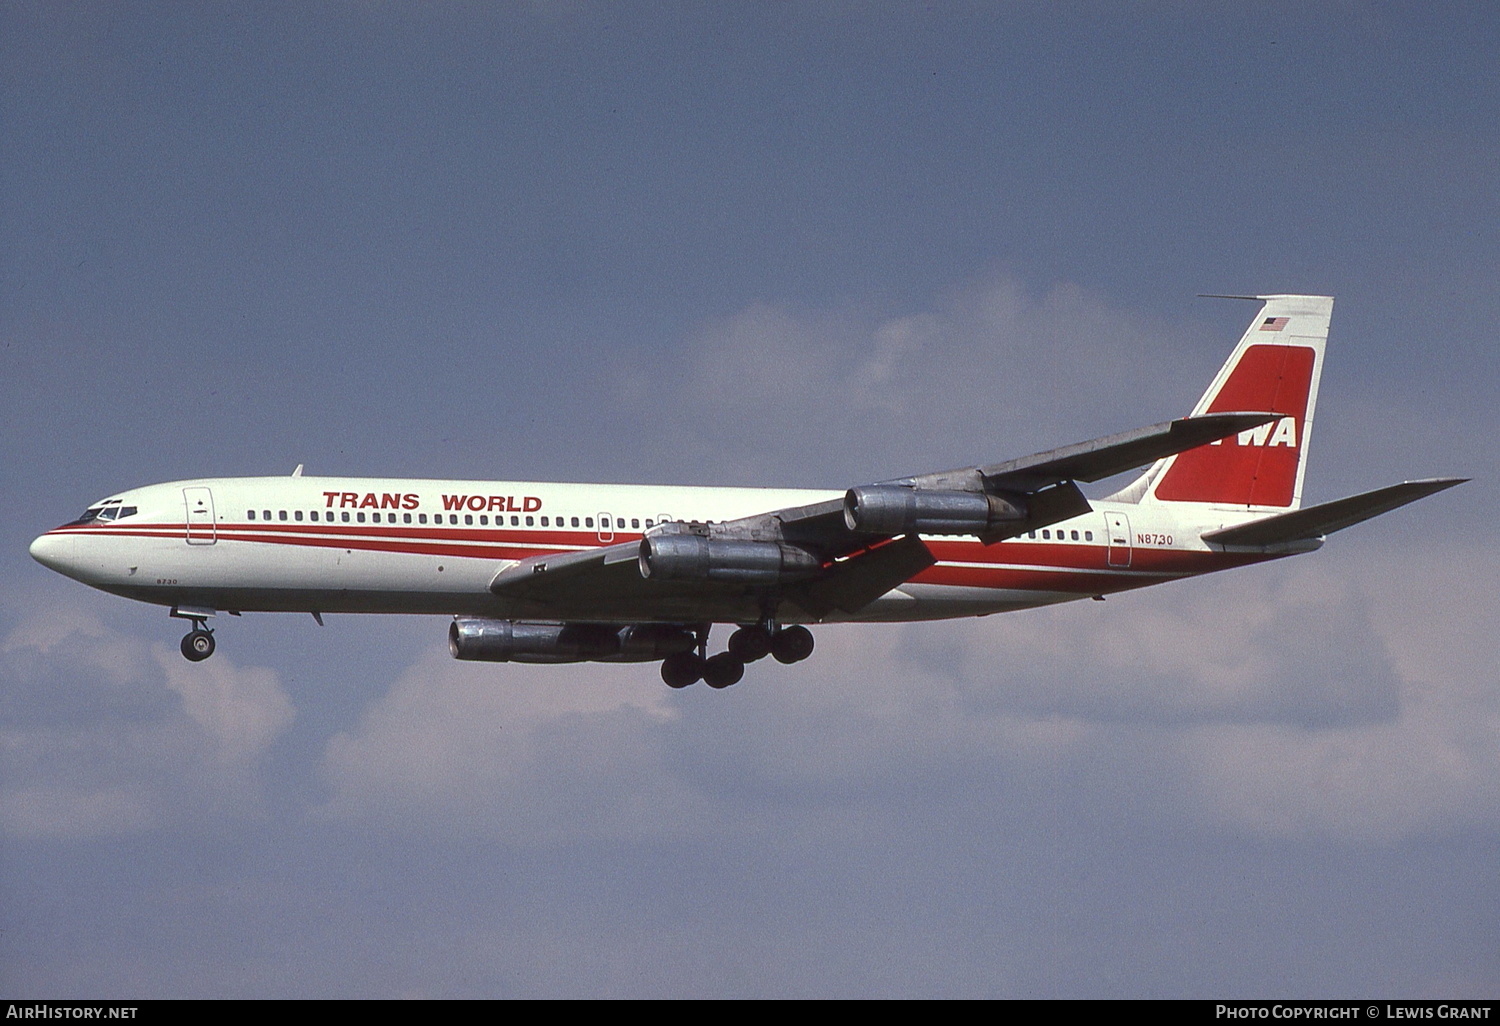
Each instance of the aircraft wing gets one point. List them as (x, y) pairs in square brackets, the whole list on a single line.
[(823, 557), (1325, 518), (1102, 457), (549, 585), (540, 574)]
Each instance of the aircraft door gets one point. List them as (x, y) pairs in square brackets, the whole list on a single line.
[(1117, 525), (199, 503), (606, 528)]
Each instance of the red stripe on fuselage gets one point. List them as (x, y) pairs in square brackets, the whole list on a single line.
[(1018, 565)]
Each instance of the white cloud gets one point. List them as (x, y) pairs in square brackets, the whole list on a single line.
[(992, 370), (1433, 766), (241, 709), (1280, 700), (116, 735), (530, 752)]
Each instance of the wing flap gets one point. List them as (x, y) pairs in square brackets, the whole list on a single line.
[(853, 583), (1328, 517)]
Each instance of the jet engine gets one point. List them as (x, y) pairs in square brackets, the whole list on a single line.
[(520, 641), (687, 557), (893, 509)]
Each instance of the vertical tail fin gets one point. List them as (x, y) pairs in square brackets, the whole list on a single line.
[(1276, 368)]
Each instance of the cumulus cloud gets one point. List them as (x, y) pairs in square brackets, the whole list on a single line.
[(533, 753), (1275, 702), (241, 710), (1432, 767), (993, 369), (108, 734)]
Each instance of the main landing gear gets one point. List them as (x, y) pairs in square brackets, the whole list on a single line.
[(746, 645)]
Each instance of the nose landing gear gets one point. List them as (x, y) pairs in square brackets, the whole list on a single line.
[(198, 643)]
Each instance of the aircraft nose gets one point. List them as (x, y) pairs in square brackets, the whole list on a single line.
[(53, 551)]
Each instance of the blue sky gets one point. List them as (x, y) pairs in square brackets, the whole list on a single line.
[(805, 244)]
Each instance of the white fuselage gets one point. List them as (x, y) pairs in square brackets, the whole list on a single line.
[(313, 544)]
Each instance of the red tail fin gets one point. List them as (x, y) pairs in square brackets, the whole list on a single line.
[(1276, 368)]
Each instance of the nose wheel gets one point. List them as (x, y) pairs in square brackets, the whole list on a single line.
[(198, 644)]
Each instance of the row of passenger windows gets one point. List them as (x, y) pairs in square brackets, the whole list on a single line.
[(606, 523), (1061, 535)]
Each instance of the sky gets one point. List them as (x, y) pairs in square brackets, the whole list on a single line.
[(802, 245)]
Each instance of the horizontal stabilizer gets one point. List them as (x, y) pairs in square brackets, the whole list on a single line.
[(1323, 519)]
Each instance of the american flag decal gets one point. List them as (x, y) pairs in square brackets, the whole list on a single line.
[(1273, 324)]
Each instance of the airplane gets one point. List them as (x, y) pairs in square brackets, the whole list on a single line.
[(538, 572)]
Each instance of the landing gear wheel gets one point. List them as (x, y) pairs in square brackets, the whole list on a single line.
[(792, 645), (681, 669), (750, 643), (722, 670), (197, 645)]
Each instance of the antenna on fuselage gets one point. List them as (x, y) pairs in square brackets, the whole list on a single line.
[(298, 471)]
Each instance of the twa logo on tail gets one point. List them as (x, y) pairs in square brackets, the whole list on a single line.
[(1286, 434)]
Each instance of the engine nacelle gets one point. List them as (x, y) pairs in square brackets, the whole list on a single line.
[(691, 557), (892, 509), (519, 641)]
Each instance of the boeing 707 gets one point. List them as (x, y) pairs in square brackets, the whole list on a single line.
[(559, 573)]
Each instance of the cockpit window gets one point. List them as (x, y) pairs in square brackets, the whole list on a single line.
[(105, 512)]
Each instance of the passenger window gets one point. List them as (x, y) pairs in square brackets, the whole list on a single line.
[(421, 518), (1031, 534), (544, 521), (1046, 535), (529, 522), (297, 514), (575, 521), (1088, 535), (1075, 535), (265, 514), (635, 524), (406, 518), (588, 521), (453, 518), (360, 517), (515, 521), (648, 523), (249, 514), (484, 519), (345, 516)]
